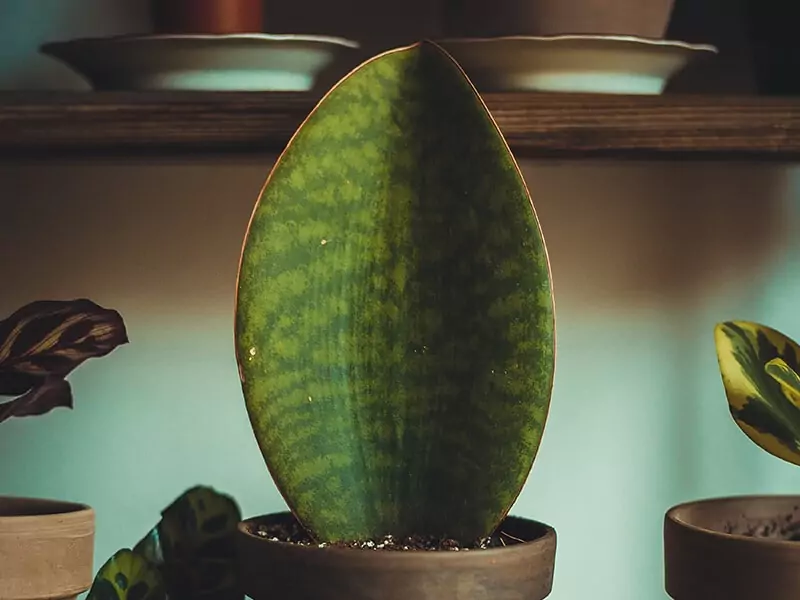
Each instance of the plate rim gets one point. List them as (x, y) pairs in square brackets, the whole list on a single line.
[(576, 37), (211, 38)]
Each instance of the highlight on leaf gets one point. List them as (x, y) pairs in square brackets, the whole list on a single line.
[(127, 576), (42, 342), (759, 367), (193, 545)]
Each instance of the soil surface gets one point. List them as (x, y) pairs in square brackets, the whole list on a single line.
[(293, 533), (785, 529)]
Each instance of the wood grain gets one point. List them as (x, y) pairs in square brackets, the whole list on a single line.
[(66, 124)]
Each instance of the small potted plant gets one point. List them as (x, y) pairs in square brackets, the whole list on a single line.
[(47, 546), (745, 547), (395, 340)]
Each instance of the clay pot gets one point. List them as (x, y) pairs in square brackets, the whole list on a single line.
[(733, 549), (272, 569), (207, 16), (495, 18), (46, 549)]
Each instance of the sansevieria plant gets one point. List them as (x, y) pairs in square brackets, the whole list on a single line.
[(394, 314)]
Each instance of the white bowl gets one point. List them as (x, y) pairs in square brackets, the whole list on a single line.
[(241, 62), (572, 63)]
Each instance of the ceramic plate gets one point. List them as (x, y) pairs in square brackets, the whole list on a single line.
[(572, 63), (244, 62)]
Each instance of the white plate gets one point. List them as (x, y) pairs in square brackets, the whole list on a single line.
[(242, 62), (572, 63)]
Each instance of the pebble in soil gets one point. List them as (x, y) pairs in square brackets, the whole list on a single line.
[(786, 529), (293, 533)]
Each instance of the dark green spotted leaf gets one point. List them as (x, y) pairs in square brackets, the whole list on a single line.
[(42, 342), (194, 546), (394, 317), (759, 371), (127, 576)]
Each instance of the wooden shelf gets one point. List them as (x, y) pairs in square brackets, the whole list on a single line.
[(67, 124)]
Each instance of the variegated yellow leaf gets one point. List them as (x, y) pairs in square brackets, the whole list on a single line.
[(761, 397)]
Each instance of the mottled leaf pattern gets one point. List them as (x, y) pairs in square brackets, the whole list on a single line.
[(127, 576), (194, 546), (394, 318), (759, 371), (42, 342)]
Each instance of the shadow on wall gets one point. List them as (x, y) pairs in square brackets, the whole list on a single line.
[(638, 236), (160, 238), (621, 236)]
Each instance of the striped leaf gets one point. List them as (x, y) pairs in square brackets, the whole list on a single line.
[(193, 545), (759, 369), (127, 576), (394, 316), (42, 342)]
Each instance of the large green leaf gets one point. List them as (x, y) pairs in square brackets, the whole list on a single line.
[(759, 371), (394, 318)]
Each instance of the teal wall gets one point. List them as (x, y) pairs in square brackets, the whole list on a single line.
[(646, 258)]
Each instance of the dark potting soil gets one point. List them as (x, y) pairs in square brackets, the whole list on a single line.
[(293, 533), (786, 529)]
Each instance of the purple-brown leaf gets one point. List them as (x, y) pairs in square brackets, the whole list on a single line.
[(52, 393), (42, 342)]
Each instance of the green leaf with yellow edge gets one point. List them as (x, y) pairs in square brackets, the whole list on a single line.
[(394, 315), (194, 546), (759, 371), (127, 576)]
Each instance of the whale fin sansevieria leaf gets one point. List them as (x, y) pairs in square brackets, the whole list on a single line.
[(394, 314)]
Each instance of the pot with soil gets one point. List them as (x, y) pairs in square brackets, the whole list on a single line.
[(745, 547), (46, 546), (482, 18), (737, 548), (395, 342), (279, 559), (46, 549)]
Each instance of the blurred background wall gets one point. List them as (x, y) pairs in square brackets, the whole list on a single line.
[(646, 258)]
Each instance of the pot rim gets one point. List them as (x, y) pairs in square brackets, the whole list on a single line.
[(674, 516), (547, 538), (55, 509)]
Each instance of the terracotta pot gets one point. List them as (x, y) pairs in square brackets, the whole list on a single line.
[(46, 549), (280, 570), (733, 549), (494, 18), (207, 16)]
